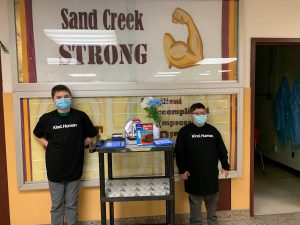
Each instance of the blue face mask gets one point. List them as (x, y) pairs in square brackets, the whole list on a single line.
[(63, 103), (200, 119)]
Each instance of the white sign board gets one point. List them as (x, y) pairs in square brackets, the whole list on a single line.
[(140, 41)]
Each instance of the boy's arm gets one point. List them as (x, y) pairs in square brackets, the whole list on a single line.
[(89, 140), (179, 150), (91, 133), (39, 132), (42, 141), (222, 153)]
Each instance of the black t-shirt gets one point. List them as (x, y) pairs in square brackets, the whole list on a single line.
[(198, 150), (65, 150)]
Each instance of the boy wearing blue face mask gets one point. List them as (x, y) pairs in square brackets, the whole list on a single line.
[(199, 147), (64, 132)]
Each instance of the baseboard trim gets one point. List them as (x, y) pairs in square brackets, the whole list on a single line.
[(282, 166)]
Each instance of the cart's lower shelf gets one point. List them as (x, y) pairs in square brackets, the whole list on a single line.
[(123, 189), (137, 187)]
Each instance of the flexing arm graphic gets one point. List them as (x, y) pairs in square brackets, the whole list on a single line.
[(180, 54)]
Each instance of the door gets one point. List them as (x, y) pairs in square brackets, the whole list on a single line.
[(255, 42)]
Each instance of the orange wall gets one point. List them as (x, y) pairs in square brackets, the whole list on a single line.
[(26, 207), (240, 188)]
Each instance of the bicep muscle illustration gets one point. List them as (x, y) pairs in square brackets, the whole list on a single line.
[(178, 53)]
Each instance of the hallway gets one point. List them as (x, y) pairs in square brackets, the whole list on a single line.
[(278, 191)]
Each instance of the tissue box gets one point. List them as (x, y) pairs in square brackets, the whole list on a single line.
[(144, 134)]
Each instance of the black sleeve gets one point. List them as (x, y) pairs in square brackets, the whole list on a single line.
[(88, 128), (222, 153), (39, 130), (179, 151)]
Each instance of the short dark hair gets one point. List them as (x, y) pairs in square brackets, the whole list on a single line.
[(58, 88), (196, 106)]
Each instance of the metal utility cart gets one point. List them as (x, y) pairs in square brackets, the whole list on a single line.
[(135, 188)]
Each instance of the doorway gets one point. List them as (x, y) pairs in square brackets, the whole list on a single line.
[(274, 175)]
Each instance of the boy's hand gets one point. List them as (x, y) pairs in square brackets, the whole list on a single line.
[(226, 172), (185, 175), (88, 140)]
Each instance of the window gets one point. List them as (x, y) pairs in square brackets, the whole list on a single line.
[(111, 55)]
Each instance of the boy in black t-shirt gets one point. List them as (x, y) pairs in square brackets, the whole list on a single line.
[(198, 148), (64, 132)]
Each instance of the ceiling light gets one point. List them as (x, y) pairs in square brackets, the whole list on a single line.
[(82, 75), (216, 61), (171, 72), (223, 71), (167, 74), (62, 61), (82, 37), (164, 75)]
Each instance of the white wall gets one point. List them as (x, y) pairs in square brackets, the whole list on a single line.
[(6, 39), (269, 19)]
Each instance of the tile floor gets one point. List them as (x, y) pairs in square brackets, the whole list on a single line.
[(235, 218), (277, 191)]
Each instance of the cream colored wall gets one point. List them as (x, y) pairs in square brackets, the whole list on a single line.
[(5, 39), (268, 19)]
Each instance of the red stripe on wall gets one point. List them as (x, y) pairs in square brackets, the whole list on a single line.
[(225, 36), (23, 138), (225, 184), (224, 202), (30, 42), (29, 142), (27, 157), (29, 162)]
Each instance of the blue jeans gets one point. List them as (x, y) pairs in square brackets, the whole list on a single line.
[(210, 201), (64, 199)]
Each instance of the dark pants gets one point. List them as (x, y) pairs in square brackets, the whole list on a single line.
[(64, 198), (210, 205)]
